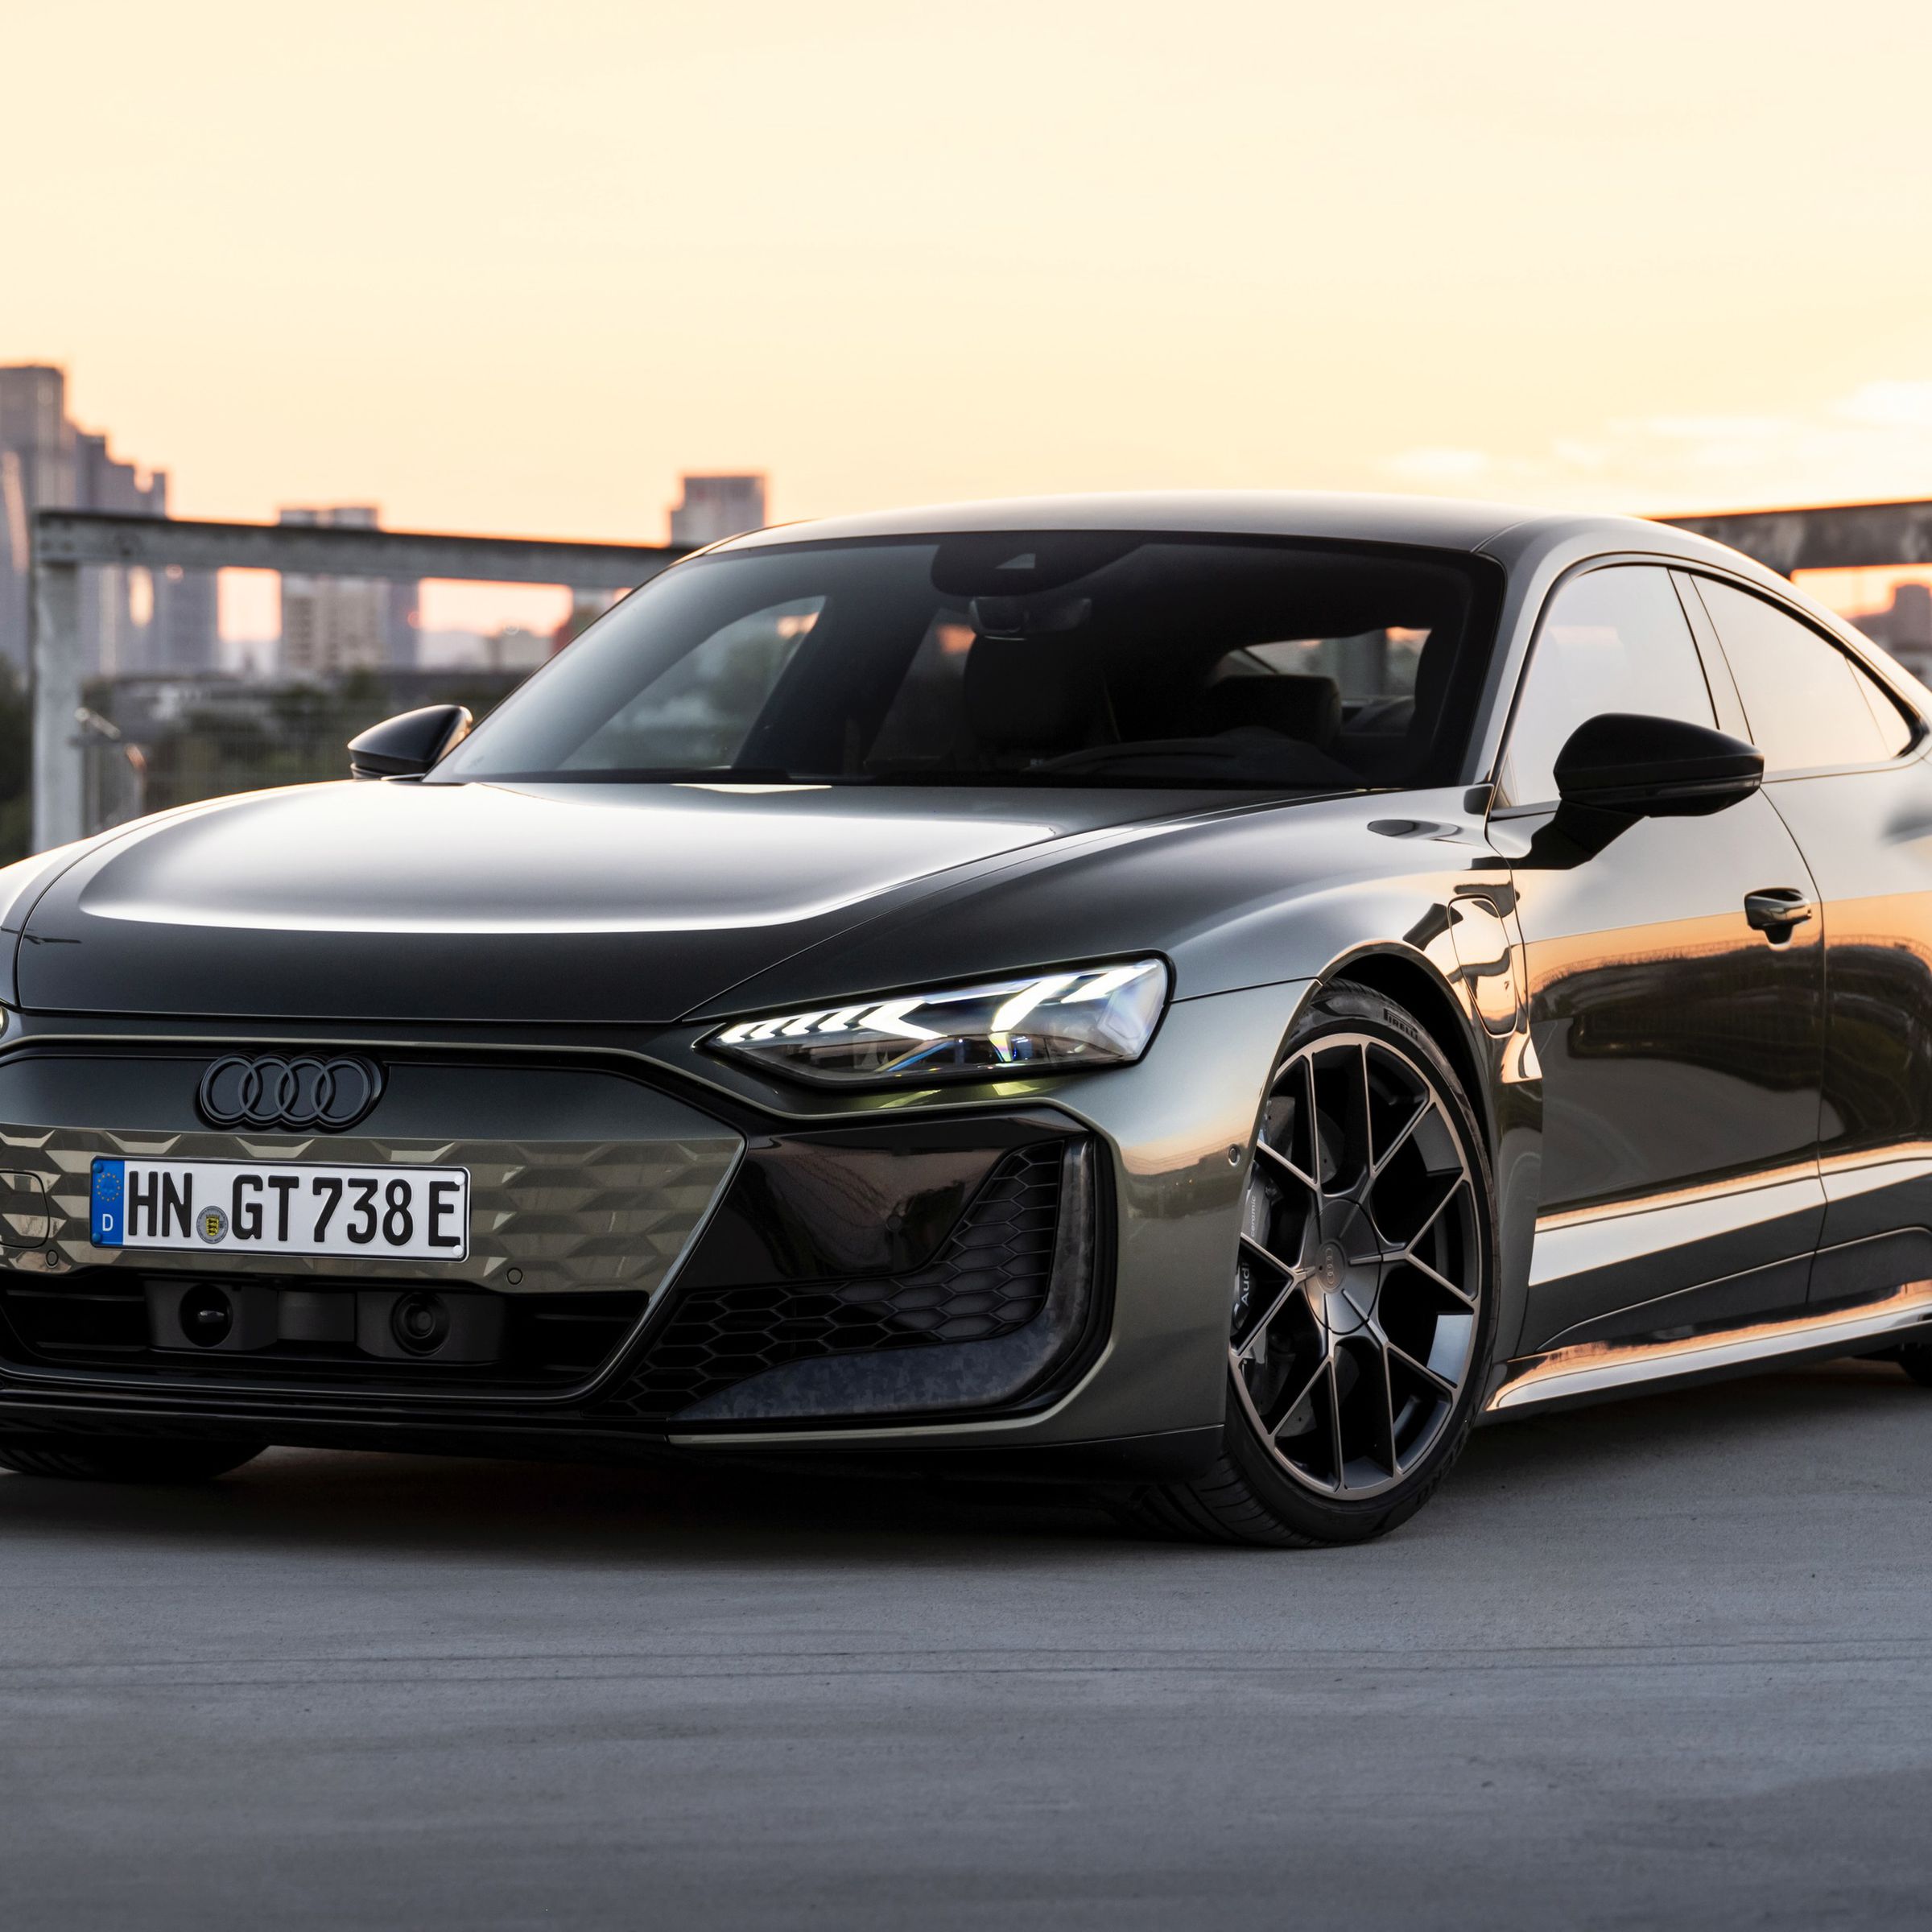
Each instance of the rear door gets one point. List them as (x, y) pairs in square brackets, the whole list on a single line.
[(1680, 1045), (1847, 769)]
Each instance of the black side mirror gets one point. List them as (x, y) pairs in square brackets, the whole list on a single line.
[(1644, 767), (407, 744)]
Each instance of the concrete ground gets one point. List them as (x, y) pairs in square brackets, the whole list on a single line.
[(1663, 1663)]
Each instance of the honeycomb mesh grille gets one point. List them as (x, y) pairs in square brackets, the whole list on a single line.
[(989, 1279), (569, 1216)]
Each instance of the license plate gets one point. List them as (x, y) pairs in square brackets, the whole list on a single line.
[(417, 1214)]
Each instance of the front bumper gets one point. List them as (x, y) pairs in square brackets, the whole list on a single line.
[(1008, 1271)]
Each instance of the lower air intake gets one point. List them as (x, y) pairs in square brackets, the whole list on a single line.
[(989, 1280)]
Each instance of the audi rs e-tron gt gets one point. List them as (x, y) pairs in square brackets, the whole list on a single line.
[(1204, 997)]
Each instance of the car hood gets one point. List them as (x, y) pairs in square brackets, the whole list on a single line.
[(630, 905)]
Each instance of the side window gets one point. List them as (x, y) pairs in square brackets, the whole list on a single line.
[(1614, 639), (1805, 701), (1894, 728)]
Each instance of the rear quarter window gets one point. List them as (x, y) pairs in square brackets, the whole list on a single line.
[(1805, 702)]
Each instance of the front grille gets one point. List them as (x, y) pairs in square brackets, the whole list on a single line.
[(99, 1319), (989, 1279), (581, 1181)]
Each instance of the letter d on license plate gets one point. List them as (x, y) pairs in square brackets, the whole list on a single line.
[(419, 1214)]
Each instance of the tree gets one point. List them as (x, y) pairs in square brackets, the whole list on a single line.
[(16, 754)]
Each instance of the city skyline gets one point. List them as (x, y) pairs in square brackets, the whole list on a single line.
[(138, 622), (500, 272), (132, 621), (300, 627)]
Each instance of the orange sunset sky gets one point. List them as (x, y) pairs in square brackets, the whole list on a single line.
[(512, 267)]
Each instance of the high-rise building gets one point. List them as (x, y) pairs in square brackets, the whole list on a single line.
[(1906, 630), (586, 607), (333, 624), (131, 620), (186, 620), (716, 507), (36, 471), (117, 603)]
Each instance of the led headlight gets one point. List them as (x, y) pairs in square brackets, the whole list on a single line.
[(1035, 1023)]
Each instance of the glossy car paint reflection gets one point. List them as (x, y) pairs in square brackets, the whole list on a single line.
[(1868, 835), (1650, 1071), (1681, 1052)]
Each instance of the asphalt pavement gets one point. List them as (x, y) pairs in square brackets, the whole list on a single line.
[(1660, 1663)]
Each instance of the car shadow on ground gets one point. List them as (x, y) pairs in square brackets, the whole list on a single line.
[(687, 1511)]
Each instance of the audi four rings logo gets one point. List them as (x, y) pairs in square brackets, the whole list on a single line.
[(297, 1092)]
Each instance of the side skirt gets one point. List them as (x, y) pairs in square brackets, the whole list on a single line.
[(1592, 1371)]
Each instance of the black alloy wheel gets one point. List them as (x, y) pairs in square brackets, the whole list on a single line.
[(1364, 1299)]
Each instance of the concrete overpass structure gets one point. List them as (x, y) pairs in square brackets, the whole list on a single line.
[(1835, 536), (66, 541)]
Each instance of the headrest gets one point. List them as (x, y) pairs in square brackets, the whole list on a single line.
[(1030, 694), (1308, 708)]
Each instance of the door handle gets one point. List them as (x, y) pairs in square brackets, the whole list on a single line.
[(1776, 910)]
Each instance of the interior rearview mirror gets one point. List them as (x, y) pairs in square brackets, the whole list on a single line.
[(407, 744), (1646, 767)]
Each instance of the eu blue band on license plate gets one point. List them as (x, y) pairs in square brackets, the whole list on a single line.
[(109, 1191), (392, 1213)]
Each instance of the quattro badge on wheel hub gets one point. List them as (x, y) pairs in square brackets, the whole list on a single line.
[(301, 1092)]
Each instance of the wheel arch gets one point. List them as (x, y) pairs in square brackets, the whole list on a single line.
[(1414, 984)]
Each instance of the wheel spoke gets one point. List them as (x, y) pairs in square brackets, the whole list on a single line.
[(1301, 1395), (1267, 1321), (1442, 1386), (1335, 1423), (1364, 1101), (1395, 1461), (1455, 1186), (1410, 1259), (1400, 1140), (1261, 1254), (1314, 1129), (1281, 1160), (1384, 1257)]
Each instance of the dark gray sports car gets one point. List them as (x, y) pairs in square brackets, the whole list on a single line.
[(1204, 997)]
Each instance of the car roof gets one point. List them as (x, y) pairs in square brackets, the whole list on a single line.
[(1440, 522)]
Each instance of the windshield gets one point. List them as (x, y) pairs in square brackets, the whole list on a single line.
[(1020, 658)]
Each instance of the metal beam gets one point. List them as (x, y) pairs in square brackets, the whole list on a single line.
[(54, 669), (65, 540), (1837, 536), (74, 536)]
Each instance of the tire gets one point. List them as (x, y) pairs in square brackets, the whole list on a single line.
[(1918, 1364), (1382, 1274), (154, 1460)]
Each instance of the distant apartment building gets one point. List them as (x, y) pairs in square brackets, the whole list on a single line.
[(331, 625), (1905, 629), (716, 507), (131, 620), (586, 607), (514, 648)]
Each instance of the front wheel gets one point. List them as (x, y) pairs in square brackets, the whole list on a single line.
[(1364, 1299), (150, 1459)]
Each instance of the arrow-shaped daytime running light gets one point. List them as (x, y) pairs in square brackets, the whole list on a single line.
[(1070, 1019)]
